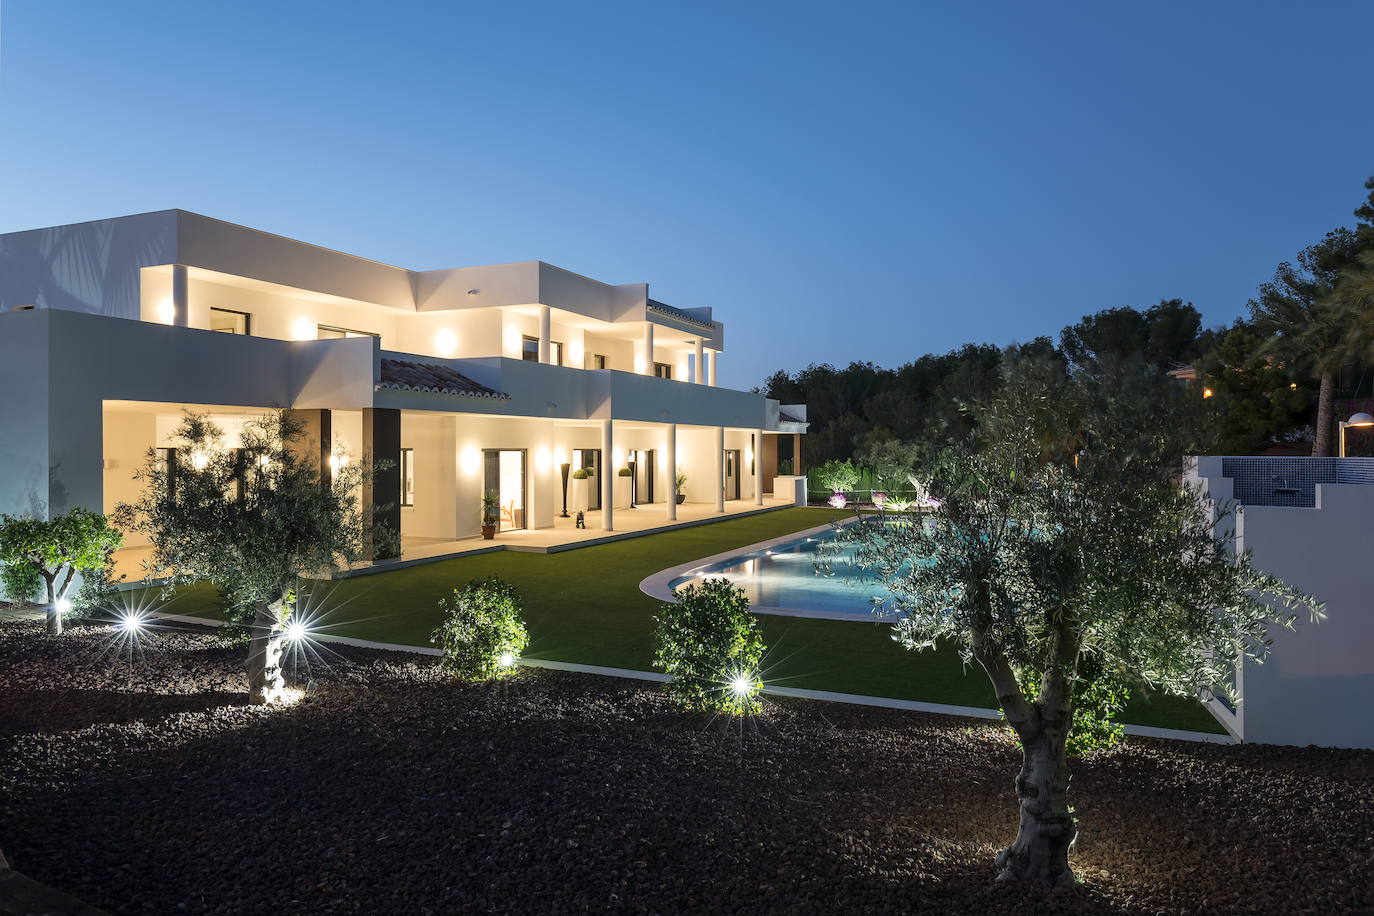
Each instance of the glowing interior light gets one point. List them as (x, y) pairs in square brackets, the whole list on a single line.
[(742, 684), (62, 605), (296, 631), (506, 659), (446, 342), (264, 460), (338, 462)]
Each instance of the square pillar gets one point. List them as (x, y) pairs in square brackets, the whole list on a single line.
[(670, 452), (648, 348), (700, 361), (608, 472), (758, 467), (545, 334), (797, 467), (382, 488), (181, 296)]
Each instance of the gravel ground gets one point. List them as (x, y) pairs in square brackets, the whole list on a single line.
[(140, 782)]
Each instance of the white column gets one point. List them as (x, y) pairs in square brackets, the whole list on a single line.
[(545, 334), (720, 468), (648, 348), (758, 467), (701, 366), (670, 452), (608, 470), (712, 376), (181, 296)]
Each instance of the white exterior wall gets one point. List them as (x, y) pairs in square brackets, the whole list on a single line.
[(1317, 686)]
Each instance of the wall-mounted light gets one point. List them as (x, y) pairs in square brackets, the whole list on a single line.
[(542, 460), (473, 292), (166, 312), (470, 460), (445, 342), (304, 329), (1207, 392)]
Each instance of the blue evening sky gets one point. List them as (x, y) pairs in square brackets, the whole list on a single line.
[(840, 181)]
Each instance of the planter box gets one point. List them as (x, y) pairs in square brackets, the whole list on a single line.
[(790, 488), (622, 492), (580, 494)]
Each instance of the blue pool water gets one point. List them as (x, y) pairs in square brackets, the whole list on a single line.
[(784, 576)]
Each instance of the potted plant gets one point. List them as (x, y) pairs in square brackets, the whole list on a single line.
[(677, 488), (623, 479), (491, 513), (581, 489)]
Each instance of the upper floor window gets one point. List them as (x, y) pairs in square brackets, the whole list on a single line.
[(227, 321), (329, 332), (663, 370), (598, 361), (529, 350)]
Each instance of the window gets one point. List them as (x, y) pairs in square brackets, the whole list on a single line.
[(598, 361), (229, 322), (663, 370), (327, 332), (408, 477), (529, 350)]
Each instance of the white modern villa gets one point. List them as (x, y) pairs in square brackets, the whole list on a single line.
[(501, 378)]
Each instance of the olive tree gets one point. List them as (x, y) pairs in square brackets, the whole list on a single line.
[(1065, 553), (252, 520), (46, 554)]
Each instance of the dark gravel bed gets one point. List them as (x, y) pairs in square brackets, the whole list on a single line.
[(141, 783)]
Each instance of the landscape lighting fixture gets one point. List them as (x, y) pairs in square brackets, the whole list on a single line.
[(741, 685), (62, 605), (506, 659), (131, 622), (296, 631)]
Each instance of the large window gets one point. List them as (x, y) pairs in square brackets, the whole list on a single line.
[(329, 332), (529, 350), (663, 370), (407, 477), (504, 477), (227, 321)]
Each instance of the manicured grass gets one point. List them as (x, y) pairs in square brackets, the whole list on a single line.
[(585, 606)]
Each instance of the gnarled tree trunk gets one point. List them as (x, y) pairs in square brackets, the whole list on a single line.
[(1326, 404), (1040, 853), (53, 615), (265, 681)]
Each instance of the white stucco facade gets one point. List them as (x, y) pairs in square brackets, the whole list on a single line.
[(1317, 686), (110, 329)]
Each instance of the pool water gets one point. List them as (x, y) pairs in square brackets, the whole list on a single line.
[(784, 577)]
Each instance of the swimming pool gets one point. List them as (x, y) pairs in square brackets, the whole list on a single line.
[(781, 578)]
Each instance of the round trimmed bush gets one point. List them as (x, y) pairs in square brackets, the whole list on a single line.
[(711, 645), (482, 634)]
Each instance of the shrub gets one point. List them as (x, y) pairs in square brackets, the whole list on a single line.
[(624, 472), (41, 557), (581, 474), (711, 645), (482, 634)]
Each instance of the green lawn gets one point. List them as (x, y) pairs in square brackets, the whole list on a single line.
[(585, 606)]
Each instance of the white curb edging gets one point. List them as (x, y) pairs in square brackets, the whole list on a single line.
[(857, 699)]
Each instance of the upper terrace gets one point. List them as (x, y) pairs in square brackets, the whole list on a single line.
[(180, 268)]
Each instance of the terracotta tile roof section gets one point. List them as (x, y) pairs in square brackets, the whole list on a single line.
[(402, 375)]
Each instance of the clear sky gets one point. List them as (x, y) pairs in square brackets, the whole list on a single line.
[(840, 181)]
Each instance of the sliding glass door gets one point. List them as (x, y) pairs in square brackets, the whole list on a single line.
[(504, 475)]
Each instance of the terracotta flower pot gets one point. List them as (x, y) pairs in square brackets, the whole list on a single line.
[(488, 532)]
